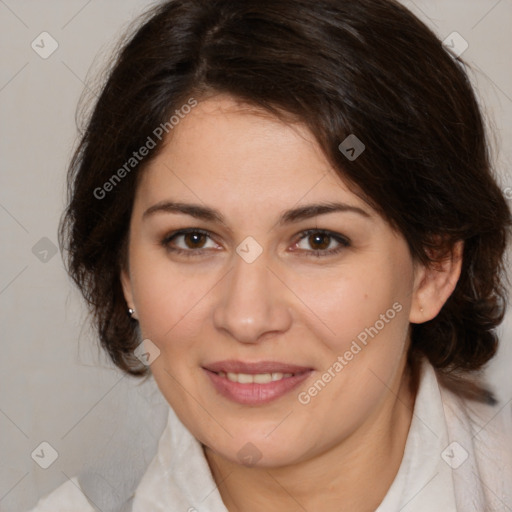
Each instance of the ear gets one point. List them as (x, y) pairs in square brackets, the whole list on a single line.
[(127, 290), (433, 284)]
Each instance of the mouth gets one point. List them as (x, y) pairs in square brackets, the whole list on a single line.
[(260, 373), (258, 378), (255, 383)]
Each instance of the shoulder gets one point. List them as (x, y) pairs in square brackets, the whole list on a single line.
[(485, 422), (489, 424), (64, 498), (483, 433)]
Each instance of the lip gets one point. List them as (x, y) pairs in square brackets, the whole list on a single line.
[(234, 366), (253, 393)]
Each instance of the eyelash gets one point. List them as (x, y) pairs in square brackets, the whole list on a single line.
[(318, 253)]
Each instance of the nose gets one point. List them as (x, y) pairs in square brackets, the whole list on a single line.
[(252, 301)]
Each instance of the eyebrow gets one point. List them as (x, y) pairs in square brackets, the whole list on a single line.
[(288, 217)]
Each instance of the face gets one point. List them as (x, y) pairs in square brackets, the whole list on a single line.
[(256, 278)]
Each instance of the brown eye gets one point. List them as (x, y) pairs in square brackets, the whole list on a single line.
[(194, 240), (319, 241), (188, 241), (322, 243)]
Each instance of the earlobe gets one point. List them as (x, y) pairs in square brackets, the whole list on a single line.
[(127, 289), (434, 284)]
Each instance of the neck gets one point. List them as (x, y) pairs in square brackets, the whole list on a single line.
[(353, 475)]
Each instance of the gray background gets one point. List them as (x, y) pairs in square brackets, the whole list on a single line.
[(57, 386)]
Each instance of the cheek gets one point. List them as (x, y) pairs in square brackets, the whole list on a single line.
[(169, 300), (362, 322), (358, 304)]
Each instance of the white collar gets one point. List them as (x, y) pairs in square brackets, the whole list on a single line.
[(424, 480)]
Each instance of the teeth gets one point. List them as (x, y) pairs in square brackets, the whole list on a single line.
[(259, 378)]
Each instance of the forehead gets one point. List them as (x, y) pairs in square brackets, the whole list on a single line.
[(224, 149)]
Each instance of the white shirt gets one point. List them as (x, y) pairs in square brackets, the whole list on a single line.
[(457, 458)]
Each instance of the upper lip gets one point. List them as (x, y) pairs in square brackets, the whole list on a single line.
[(232, 366)]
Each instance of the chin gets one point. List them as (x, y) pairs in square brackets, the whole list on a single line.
[(260, 452)]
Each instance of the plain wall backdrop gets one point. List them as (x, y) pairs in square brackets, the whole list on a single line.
[(57, 387)]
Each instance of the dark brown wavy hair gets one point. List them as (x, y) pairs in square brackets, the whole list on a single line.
[(363, 67)]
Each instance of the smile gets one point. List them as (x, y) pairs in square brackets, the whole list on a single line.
[(259, 378)]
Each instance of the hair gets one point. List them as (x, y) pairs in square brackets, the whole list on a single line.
[(364, 67)]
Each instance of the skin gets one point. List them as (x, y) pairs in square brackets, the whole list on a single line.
[(343, 449)]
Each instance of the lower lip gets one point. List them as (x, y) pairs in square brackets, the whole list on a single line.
[(255, 394)]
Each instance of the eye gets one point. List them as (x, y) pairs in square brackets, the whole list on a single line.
[(322, 242), (194, 240)]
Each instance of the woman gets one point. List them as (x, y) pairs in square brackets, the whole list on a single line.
[(293, 201)]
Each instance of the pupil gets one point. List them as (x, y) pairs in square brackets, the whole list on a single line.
[(318, 239), (196, 238)]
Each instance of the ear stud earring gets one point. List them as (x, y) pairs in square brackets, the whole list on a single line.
[(130, 312)]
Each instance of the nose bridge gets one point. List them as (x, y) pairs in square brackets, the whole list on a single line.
[(252, 300)]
